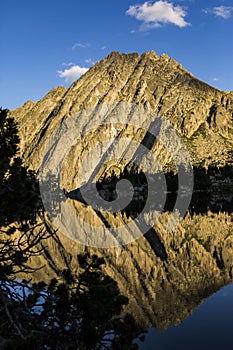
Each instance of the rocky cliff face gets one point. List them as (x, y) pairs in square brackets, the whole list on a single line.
[(202, 114)]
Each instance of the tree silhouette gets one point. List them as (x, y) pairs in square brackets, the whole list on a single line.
[(19, 191), (74, 312)]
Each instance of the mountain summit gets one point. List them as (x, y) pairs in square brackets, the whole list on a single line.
[(200, 113)]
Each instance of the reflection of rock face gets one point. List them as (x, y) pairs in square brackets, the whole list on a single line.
[(199, 261), (201, 113)]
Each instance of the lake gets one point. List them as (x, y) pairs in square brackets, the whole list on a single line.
[(178, 282), (208, 327)]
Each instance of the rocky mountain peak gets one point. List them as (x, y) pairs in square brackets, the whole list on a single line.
[(200, 113)]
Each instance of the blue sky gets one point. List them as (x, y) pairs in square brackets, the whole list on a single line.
[(48, 43)]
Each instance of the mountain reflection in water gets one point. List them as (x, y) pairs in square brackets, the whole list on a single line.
[(209, 327), (164, 290)]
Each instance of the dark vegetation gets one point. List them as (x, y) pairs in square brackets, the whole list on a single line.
[(212, 189), (71, 312)]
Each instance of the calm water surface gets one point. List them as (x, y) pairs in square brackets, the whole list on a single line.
[(210, 327)]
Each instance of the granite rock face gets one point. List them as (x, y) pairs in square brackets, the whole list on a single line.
[(202, 114)]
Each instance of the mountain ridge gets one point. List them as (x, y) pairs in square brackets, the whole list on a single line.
[(202, 114)]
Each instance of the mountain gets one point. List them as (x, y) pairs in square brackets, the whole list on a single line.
[(197, 257), (202, 114)]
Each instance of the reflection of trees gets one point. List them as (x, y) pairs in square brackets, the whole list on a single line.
[(72, 312), (69, 312), (212, 190)]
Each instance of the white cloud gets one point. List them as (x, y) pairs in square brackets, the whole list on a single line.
[(215, 79), (80, 45), (153, 14), (206, 11), (72, 74), (223, 11), (103, 47), (90, 61), (67, 64), (220, 11)]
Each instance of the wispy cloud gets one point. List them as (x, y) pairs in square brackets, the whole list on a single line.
[(215, 79), (154, 14), (103, 47), (80, 45), (72, 74), (89, 61), (224, 12), (67, 64)]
